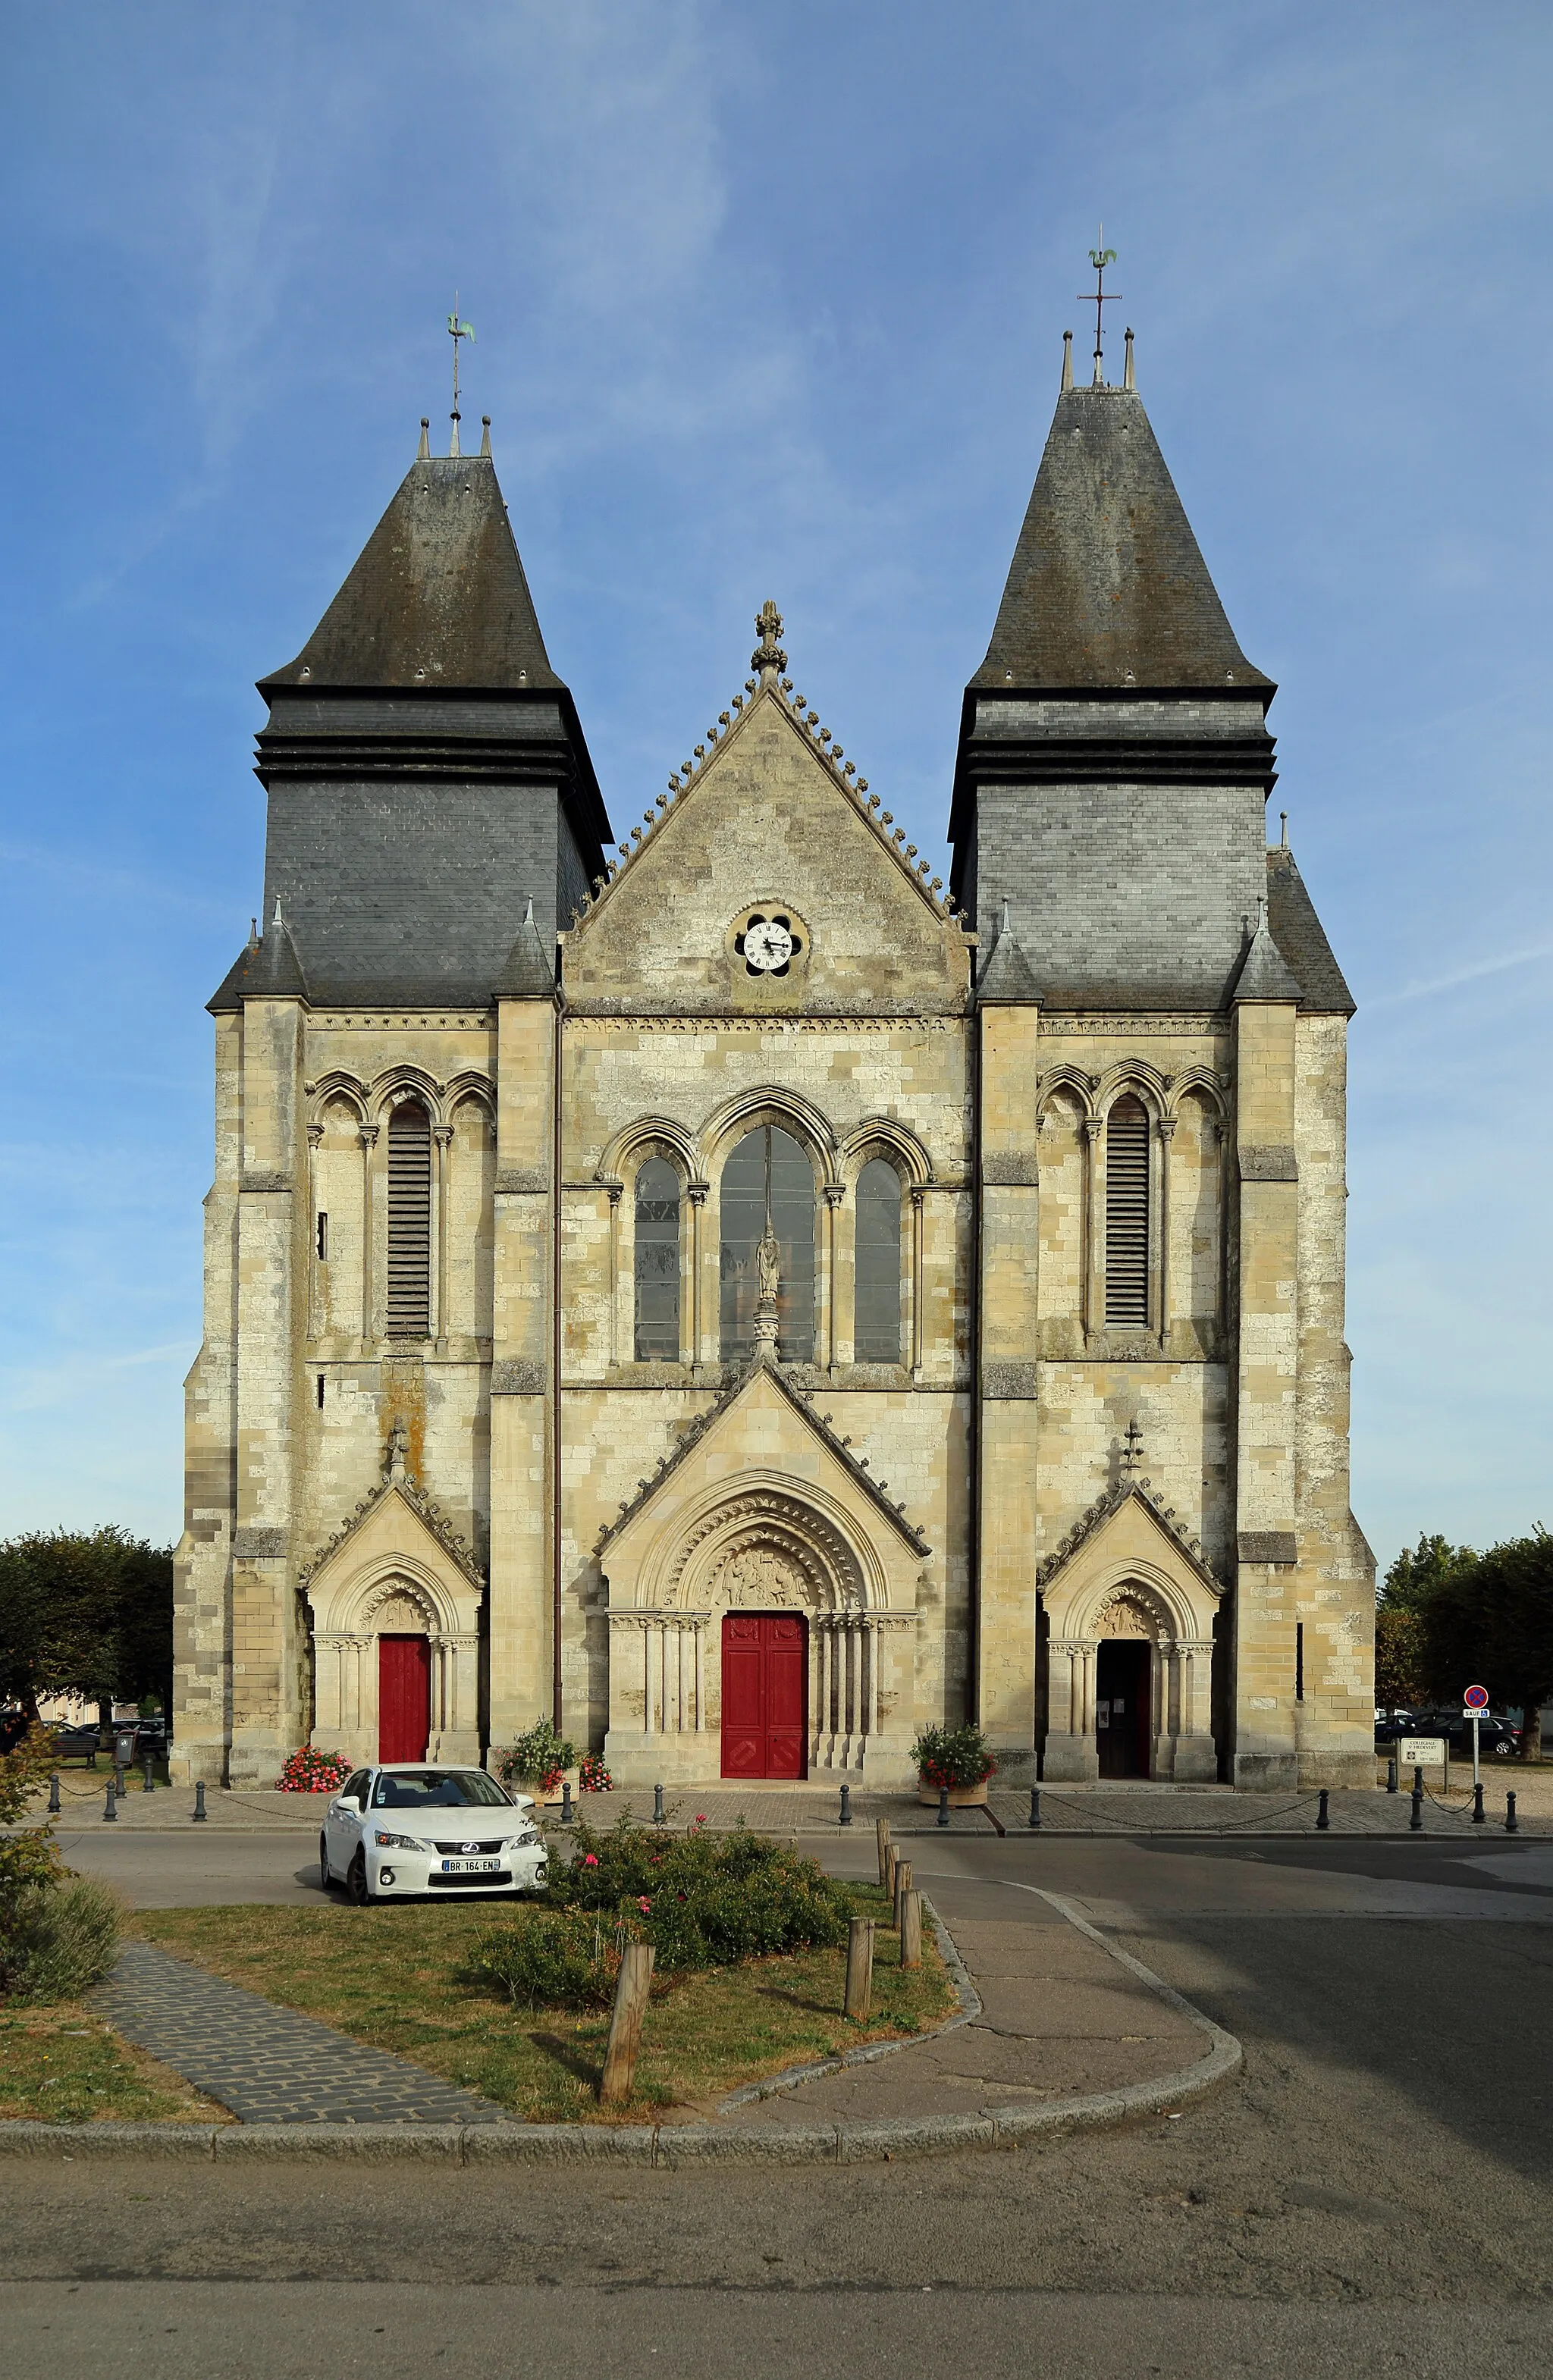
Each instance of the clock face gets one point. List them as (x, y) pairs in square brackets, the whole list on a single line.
[(767, 945)]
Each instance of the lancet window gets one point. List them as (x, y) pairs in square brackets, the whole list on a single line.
[(767, 1185), (409, 1221), (877, 1327), (1127, 1215), (657, 1263)]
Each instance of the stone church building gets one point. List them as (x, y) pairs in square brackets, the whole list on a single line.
[(730, 1293)]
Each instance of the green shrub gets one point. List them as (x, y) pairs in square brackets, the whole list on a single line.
[(560, 1960), (702, 1899), (56, 1940)]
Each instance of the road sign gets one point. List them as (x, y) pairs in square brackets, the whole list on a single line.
[(1475, 1698)]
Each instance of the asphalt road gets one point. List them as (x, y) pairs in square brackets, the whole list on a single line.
[(1371, 2189)]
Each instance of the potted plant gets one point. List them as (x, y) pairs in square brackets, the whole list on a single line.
[(956, 1758), (539, 1762)]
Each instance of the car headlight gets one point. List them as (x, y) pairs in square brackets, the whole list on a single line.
[(396, 1843), (520, 1841)]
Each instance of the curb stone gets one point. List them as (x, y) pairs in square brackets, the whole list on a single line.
[(670, 2146)]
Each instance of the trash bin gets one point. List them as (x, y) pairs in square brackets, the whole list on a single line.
[(124, 1746)]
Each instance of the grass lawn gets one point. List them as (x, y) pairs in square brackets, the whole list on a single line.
[(390, 1976), (62, 2064)]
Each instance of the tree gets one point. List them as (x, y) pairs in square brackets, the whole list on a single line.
[(1399, 1658), (1414, 1576), (85, 1613), (1492, 1626)]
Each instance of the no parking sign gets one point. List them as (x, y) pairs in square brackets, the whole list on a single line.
[(1475, 1698)]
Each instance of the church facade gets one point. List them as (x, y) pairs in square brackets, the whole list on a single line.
[(731, 1292)]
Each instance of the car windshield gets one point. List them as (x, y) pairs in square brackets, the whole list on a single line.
[(438, 1789)]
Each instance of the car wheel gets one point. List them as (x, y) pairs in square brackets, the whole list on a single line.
[(325, 1872), (1503, 1750), (357, 1891)]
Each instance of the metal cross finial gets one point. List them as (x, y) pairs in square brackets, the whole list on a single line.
[(1132, 1453), (456, 329), (1099, 258)]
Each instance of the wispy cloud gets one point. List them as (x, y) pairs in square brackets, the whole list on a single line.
[(1472, 974)]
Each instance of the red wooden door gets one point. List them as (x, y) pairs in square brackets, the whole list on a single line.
[(765, 1694), (404, 1697)]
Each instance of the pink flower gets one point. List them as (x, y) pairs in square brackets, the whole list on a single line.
[(644, 1904), (700, 1817), (591, 1859)]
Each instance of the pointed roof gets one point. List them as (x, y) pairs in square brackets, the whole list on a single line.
[(1006, 980), (1265, 973), (527, 974), (270, 969), (1108, 587), (1300, 936), (1163, 1515), (802, 1402), (398, 1480), (437, 600)]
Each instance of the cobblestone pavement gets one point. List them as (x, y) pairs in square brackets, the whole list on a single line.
[(268, 2064)]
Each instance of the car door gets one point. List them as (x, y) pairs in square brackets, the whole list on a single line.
[(343, 1823)]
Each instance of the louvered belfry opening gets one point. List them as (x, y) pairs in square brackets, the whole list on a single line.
[(409, 1223), (1127, 1214)]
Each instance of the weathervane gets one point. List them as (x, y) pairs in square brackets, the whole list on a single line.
[(456, 329), (1099, 258)]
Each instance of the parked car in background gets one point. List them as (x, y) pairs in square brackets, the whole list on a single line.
[(409, 1828), (1389, 1725)]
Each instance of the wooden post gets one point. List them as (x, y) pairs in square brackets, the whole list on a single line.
[(891, 1861), (911, 1929), (859, 1968), (631, 1994), (903, 1885), (881, 1829)]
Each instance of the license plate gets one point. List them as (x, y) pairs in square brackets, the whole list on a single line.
[(470, 1868)]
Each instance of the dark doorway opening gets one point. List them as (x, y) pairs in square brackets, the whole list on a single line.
[(404, 1697), (1121, 1712), (765, 1694)]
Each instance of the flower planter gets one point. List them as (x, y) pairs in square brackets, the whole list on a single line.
[(961, 1797), (550, 1797)]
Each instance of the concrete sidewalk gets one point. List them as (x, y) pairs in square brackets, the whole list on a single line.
[(1052, 2013)]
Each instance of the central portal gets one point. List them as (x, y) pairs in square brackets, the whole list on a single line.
[(765, 1693)]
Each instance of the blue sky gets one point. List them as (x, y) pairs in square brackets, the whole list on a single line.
[(771, 302)]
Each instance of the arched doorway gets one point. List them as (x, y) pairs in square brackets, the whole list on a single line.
[(1123, 1698), (765, 1693), (404, 1697)]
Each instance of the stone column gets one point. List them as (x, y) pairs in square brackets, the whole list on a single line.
[(917, 1197), (315, 1135), (1197, 1756), (1094, 1238), (368, 1138), (1165, 1133), (1072, 1753), (833, 1196), (697, 1194)]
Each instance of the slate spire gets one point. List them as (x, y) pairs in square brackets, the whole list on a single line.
[(1108, 587), (437, 599)]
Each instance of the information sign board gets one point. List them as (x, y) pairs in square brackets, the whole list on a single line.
[(1422, 1751)]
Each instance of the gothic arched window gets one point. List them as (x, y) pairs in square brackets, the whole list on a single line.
[(876, 1337), (1127, 1214), (409, 1221), (657, 1261), (768, 1177)]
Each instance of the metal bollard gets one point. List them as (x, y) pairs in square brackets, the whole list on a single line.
[(943, 1805), (199, 1805), (565, 1801), (1034, 1806), (658, 1806), (110, 1806), (1478, 1806), (54, 1795), (846, 1806), (148, 1769), (1416, 1823), (1511, 1823), (1392, 1776), (1323, 1820)]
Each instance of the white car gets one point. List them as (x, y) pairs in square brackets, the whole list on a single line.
[(407, 1829)]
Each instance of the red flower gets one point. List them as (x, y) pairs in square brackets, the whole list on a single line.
[(591, 1859), (644, 1904)]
